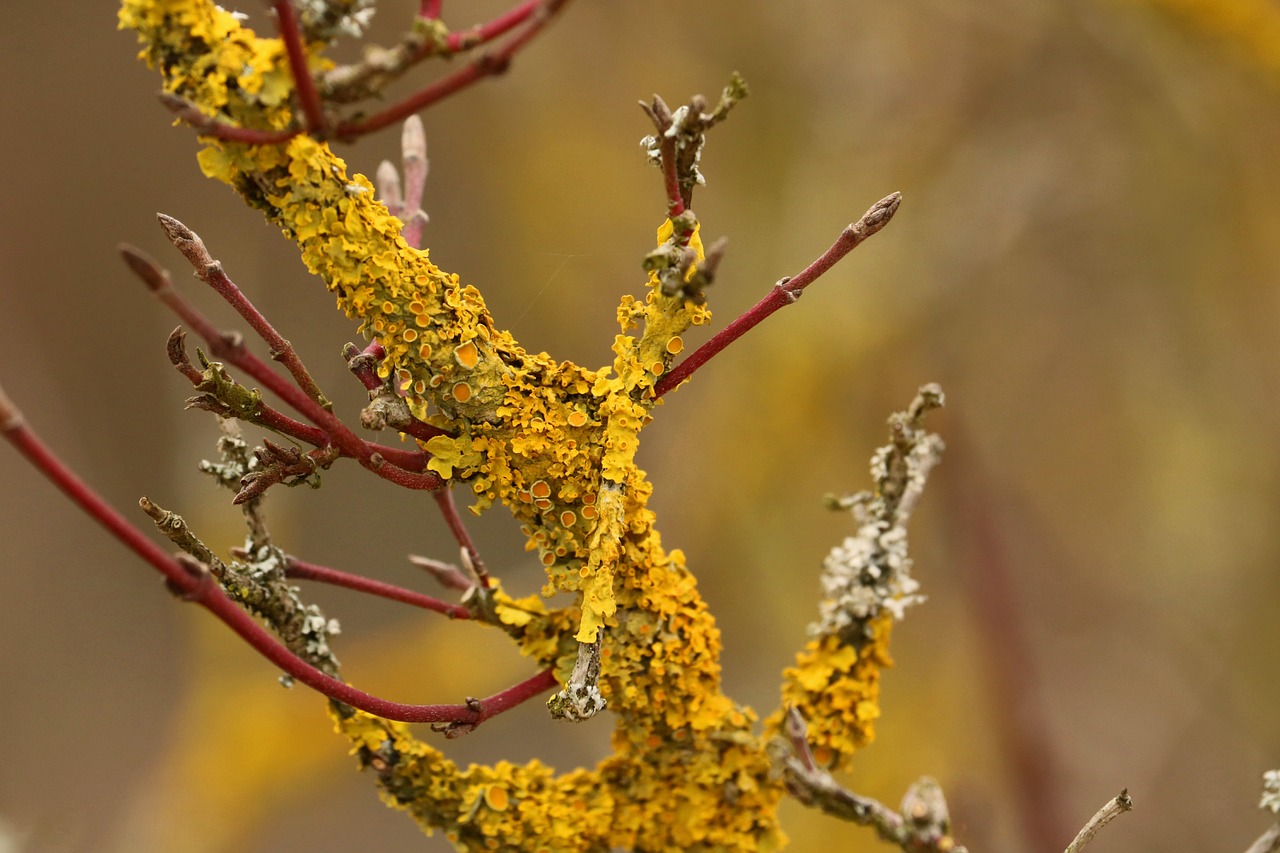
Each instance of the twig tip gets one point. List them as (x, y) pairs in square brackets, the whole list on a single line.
[(10, 416), (413, 139), (186, 241), (143, 267)]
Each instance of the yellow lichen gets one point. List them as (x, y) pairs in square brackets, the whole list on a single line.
[(836, 688)]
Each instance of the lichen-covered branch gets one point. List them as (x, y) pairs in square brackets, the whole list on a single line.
[(922, 823), (866, 585), (1269, 841), (552, 442)]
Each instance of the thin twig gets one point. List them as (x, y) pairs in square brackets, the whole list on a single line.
[(470, 555), (1116, 806), (270, 418), (209, 126), (487, 65), (923, 824), (447, 575), (785, 292), (499, 26), (428, 38), (1268, 842), (302, 570), (675, 202), (304, 85), (194, 586), (227, 346), (211, 273), (347, 441)]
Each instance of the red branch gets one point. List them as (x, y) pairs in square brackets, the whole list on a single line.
[(291, 35), (784, 292), (675, 202), (449, 509), (227, 346), (196, 587), (484, 66), (303, 570), (211, 273), (499, 26), (310, 404)]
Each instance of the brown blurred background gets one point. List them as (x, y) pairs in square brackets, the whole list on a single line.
[(1086, 259)]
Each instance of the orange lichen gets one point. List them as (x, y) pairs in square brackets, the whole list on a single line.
[(496, 798), (462, 392), (467, 355)]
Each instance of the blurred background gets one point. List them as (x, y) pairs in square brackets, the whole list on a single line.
[(1086, 259)]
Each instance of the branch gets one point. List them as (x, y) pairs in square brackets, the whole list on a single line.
[(211, 273), (190, 581), (1268, 842), (427, 38), (677, 148), (226, 398), (1022, 719), (227, 346), (291, 35), (785, 292), (1114, 808), (209, 126), (922, 826), (302, 570), (309, 402), (470, 556), (487, 65)]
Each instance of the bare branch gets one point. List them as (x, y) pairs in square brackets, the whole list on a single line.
[(785, 292), (1268, 842), (1115, 807), (923, 825)]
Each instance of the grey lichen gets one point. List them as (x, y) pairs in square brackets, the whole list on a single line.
[(870, 572), (325, 20), (1271, 791)]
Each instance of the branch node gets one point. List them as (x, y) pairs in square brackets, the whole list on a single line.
[(198, 571)]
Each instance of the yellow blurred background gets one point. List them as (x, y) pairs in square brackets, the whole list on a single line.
[(1087, 259)]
